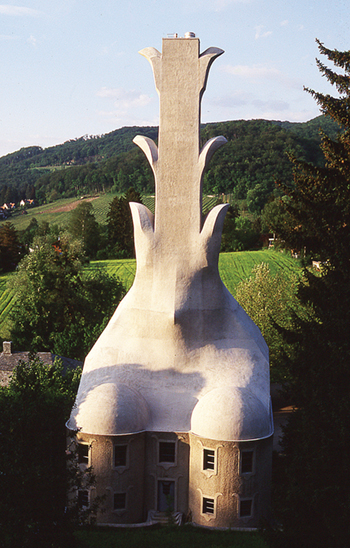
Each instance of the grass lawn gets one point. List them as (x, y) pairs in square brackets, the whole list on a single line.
[(166, 537), (233, 267)]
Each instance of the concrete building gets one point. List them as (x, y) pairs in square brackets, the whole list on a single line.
[(173, 409)]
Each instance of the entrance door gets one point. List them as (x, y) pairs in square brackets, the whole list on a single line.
[(166, 495)]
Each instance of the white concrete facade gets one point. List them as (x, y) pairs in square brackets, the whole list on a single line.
[(179, 348)]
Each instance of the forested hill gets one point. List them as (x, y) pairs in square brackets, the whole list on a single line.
[(247, 166)]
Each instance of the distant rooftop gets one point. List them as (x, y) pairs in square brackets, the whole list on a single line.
[(9, 361)]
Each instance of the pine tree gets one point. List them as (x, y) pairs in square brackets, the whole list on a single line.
[(11, 250), (314, 489), (320, 201), (120, 227)]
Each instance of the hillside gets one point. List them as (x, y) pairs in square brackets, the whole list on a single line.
[(248, 166)]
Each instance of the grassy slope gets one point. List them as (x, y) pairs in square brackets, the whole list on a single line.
[(233, 267), (168, 537), (58, 213)]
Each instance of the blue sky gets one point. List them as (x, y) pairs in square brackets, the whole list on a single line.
[(71, 67)]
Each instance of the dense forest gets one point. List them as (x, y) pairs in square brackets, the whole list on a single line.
[(255, 157)]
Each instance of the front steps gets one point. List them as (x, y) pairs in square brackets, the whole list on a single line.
[(164, 518)]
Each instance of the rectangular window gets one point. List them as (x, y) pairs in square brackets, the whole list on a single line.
[(208, 506), (119, 501), (83, 498), (245, 509), (166, 451), (208, 459), (247, 462), (83, 453), (120, 455)]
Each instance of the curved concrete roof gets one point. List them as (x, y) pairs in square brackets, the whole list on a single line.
[(231, 414), (111, 409)]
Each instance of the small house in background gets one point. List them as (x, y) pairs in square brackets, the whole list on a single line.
[(9, 359), (9, 206), (26, 202)]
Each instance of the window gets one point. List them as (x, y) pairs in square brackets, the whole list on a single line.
[(83, 453), (119, 502), (208, 459), (245, 508), (208, 506), (247, 459), (166, 451), (83, 498), (120, 455)]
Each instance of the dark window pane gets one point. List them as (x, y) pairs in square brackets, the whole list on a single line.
[(246, 462), (209, 459), (119, 501), (245, 508), (83, 498), (208, 506), (83, 453), (166, 451), (120, 455)]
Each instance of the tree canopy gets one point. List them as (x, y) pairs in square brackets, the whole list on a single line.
[(270, 301), (61, 307), (11, 250), (314, 503), (34, 479), (83, 225)]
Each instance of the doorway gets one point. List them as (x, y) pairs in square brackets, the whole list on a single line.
[(166, 496)]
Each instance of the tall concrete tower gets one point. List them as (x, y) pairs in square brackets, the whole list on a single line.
[(173, 408)]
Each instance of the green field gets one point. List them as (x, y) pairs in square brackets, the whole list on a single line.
[(233, 267), (59, 212)]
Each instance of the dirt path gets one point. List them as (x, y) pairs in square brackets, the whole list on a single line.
[(70, 206)]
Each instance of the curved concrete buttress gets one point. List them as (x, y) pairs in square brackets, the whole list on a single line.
[(178, 335)]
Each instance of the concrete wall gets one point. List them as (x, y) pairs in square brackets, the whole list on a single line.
[(127, 479), (226, 485), (141, 476), (157, 472)]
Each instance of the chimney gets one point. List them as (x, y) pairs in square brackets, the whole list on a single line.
[(7, 347)]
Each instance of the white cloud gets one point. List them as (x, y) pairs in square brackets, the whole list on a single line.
[(272, 105), (284, 23), (259, 72), (233, 100), (6, 9), (124, 99), (32, 40), (8, 37), (219, 5), (250, 102), (252, 71), (260, 34), (198, 6)]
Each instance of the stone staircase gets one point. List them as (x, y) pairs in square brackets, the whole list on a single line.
[(164, 518)]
